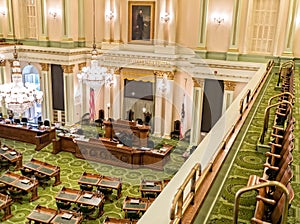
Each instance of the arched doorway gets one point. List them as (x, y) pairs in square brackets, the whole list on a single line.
[(30, 75)]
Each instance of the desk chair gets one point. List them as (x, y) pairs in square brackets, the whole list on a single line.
[(176, 133), (3, 188), (107, 192), (47, 123), (87, 211), (16, 194), (26, 172), (132, 215), (63, 205), (4, 163), (86, 187), (42, 179)]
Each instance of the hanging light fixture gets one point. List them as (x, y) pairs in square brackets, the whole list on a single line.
[(94, 75), (18, 96)]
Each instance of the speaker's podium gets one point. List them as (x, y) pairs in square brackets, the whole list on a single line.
[(139, 133)]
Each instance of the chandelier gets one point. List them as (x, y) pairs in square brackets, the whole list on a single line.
[(18, 96), (94, 75)]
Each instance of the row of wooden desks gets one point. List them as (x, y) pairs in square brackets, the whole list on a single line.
[(99, 180), (136, 204), (81, 197), (5, 205), (152, 187), (12, 155), (42, 214), (44, 168), (21, 182)]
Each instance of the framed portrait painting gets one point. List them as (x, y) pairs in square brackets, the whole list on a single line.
[(141, 21)]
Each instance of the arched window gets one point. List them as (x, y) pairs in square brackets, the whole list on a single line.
[(30, 75)]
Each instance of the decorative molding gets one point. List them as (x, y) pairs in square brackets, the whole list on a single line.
[(2, 63), (81, 65), (68, 68), (117, 71), (198, 82), (229, 85), (161, 74), (45, 67)]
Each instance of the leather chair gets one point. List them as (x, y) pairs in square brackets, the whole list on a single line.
[(86, 187), (26, 172), (63, 204), (3, 188), (42, 179), (99, 121), (16, 194), (87, 211), (176, 133), (47, 123)]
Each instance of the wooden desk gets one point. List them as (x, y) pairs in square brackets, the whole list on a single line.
[(109, 220), (44, 168), (42, 214), (99, 180), (76, 217), (136, 204), (5, 205), (150, 186), (21, 182), (80, 197), (105, 151), (141, 132), (40, 138), (12, 155)]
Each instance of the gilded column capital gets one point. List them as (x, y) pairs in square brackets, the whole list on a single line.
[(198, 82), (161, 74), (229, 85), (2, 63), (81, 65), (117, 71), (68, 68), (45, 66)]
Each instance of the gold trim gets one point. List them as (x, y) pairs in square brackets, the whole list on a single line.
[(81, 65), (198, 82), (68, 68), (161, 74), (45, 66), (229, 85)]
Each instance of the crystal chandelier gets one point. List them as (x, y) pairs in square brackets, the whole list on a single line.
[(18, 96)]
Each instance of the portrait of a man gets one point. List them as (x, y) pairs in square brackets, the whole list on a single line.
[(141, 21)]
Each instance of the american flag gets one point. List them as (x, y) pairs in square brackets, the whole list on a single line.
[(92, 104)]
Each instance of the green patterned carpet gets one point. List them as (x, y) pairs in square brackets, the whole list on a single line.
[(71, 170), (248, 161)]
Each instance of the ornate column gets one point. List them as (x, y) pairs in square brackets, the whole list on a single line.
[(168, 104), (158, 120), (198, 93), (290, 29), (81, 35), (232, 54), (116, 19), (116, 93), (66, 21), (203, 27), (43, 25), (46, 88), (2, 81), (228, 94), (83, 98), (107, 22), (69, 93)]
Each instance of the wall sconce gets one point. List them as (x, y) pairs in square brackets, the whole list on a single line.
[(109, 15), (165, 17), (218, 20), (53, 13), (3, 11)]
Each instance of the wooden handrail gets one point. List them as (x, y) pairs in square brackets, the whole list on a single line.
[(258, 186), (282, 94)]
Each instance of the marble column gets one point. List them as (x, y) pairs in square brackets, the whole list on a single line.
[(158, 120), (116, 20), (232, 54), (229, 88), (203, 28), (43, 23), (168, 104), (198, 93), (116, 93), (81, 34), (47, 95), (69, 93), (66, 19), (2, 81)]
